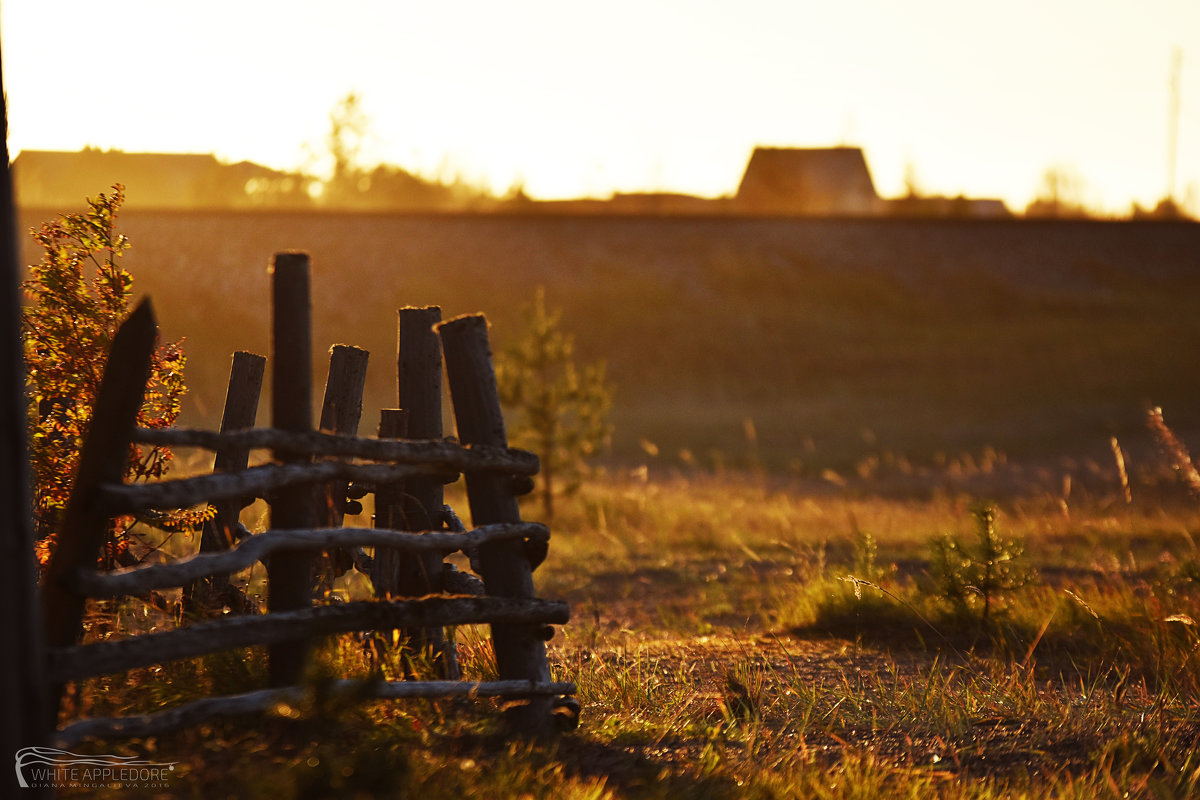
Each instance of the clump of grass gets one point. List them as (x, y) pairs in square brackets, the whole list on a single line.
[(981, 577)]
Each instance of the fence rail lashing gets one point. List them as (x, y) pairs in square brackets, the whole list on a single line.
[(139, 580)]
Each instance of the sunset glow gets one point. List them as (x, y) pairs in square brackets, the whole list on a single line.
[(670, 95)]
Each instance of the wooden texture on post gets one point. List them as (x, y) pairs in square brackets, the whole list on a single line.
[(241, 407), (385, 574), (241, 412), (288, 574), (103, 459), (419, 391), (341, 411), (520, 651), (25, 722)]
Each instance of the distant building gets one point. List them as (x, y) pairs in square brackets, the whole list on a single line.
[(53, 179), (61, 180), (830, 181)]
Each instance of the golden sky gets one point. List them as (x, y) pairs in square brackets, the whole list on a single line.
[(575, 98)]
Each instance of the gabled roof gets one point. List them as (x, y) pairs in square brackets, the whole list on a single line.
[(833, 180)]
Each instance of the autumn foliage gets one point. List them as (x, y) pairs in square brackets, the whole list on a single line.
[(78, 296)]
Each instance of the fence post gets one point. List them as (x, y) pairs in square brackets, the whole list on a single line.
[(393, 423), (419, 391), (388, 563), (241, 411), (22, 690), (103, 459), (341, 411), (288, 573), (507, 571)]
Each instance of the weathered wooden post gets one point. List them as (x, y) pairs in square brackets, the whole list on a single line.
[(103, 459), (341, 411), (26, 721), (419, 391), (241, 411), (288, 573), (506, 566), (388, 563), (393, 422)]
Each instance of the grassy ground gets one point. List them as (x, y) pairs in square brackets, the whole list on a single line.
[(790, 597), (738, 636)]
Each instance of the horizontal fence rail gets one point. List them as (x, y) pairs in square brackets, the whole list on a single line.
[(480, 458), (117, 499), (250, 702), (100, 658), (140, 580)]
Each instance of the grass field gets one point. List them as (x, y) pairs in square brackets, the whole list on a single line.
[(742, 637), (779, 586), (837, 340)]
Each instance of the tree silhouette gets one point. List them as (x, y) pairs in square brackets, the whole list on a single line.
[(348, 126)]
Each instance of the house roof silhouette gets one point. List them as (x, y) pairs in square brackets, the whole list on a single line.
[(54, 179), (816, 181)]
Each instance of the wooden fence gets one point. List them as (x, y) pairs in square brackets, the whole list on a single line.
[(307, 485)]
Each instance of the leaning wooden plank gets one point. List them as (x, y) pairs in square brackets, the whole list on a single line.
[(506, 567), (341, 412), (433, 451), (256, 702), (101, 658), (183, 492), (103, 460), (219, 533), (140, 580)]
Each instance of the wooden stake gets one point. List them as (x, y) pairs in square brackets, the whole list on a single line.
[(419, 390), (26, 721), (520, 651), (288, 586), (341, 411), (103, 459), (241, 412)]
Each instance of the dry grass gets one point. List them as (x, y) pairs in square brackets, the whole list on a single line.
[(807, 406), (720, 652)]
